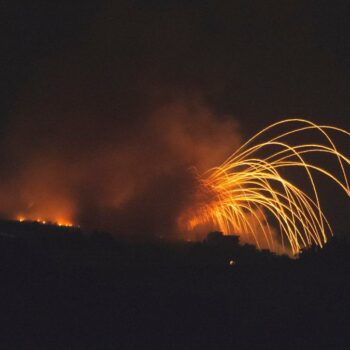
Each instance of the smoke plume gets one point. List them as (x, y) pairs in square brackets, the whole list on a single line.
[(114, 121), (132, 172)]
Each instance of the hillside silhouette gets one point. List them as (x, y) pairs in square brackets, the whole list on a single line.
[(62, 288)]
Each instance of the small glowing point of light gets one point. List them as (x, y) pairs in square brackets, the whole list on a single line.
[(250, 195), (39, 221), (232, 263), (64, 224)]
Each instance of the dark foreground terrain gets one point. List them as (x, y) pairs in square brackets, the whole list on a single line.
[(60, 289)]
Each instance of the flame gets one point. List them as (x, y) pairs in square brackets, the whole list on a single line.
[(61, 223), (122, 186), (20, 218), (249, 194)]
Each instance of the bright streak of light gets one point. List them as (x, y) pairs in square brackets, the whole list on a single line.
[(249, 188)]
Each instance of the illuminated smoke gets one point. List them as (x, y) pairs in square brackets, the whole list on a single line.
[(148, 175), (132, 178)]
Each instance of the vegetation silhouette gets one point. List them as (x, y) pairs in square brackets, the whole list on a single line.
[(62, 288)]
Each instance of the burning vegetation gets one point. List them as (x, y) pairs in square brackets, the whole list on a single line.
[(157, 184), (126, 178)]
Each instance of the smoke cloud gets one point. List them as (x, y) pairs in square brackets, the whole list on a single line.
[(106, 107), (128, 175), (115, 120)]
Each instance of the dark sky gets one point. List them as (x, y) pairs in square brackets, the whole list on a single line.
[(89, 63), (257, 60)]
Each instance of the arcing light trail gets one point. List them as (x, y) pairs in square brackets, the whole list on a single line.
[(249, 194)]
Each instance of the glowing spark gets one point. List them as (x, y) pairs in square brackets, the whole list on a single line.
[(250, 194), (20, 218), (64, 224)]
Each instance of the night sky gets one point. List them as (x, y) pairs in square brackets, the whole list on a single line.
[(85, 78), (111, 111)]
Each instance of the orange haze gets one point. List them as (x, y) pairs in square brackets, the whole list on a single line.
[(129, 176)]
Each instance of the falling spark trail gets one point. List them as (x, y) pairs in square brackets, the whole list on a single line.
[(249, 194)]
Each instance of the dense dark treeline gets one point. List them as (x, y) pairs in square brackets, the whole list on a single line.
[(63, 289)]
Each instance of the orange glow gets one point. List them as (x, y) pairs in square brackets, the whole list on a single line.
[(20, 218), (61, 223), (104, 182), (250, 194), (65, 224), (252, 198)]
